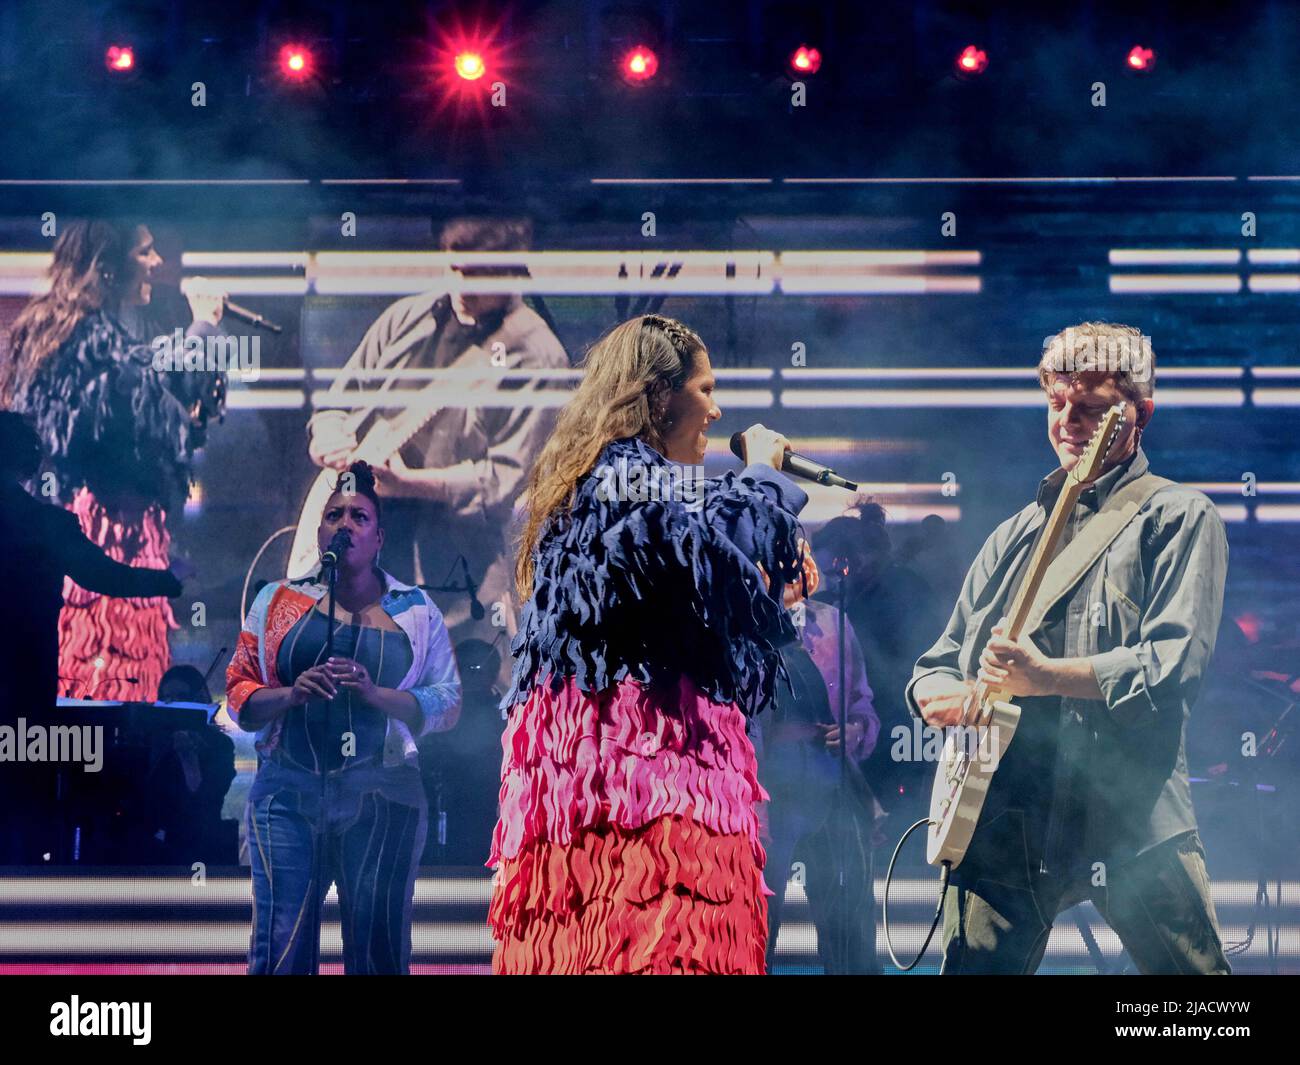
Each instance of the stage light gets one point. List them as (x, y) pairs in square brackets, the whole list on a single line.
[(470, 66), (119, 58), (971, 60), (296, 62), (1142, 60), (805, 60), (640, 64), (467, 66)]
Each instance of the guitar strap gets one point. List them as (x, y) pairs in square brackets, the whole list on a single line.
[(1078, 556)]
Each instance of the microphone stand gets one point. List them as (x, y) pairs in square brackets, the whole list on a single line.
[(469, 588), (318, 836), (841, 795)]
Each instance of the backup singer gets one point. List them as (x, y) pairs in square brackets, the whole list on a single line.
[(352, 717), (1091, 798), (811, 818), (628, 838)]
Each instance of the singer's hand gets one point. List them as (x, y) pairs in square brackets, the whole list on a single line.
[(314, 683), (831, 734), (763, 445), (207, 300), (351, 675), (796, 578), (805, 580)]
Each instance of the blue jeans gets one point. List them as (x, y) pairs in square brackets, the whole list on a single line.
[(368, 829)]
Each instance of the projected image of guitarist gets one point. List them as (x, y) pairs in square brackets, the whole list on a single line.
[(451, 465), (1094, 612)]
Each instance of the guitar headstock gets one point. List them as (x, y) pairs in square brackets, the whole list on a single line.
[(1090, 463)]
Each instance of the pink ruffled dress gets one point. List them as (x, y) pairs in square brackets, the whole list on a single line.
[(628, 836)]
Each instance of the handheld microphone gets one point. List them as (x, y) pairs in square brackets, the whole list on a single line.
[(244, 314), (338, 547), (251, 317), (799, 466)]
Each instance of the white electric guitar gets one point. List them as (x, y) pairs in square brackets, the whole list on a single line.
[(972, 754)]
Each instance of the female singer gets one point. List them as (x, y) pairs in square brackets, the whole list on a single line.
[(338, 796), (119, 436), (628, 837)]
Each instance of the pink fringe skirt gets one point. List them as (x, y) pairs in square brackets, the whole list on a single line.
[(116, 648), (628, 838)]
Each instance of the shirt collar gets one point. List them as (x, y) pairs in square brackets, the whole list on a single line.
[(1094, 495), (314, 585)]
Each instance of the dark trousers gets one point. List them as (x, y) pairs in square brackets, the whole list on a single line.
[(368, 834), (1159, 905), (830, 846)]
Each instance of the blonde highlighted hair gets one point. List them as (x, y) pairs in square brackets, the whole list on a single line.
[(629, 375), (1118, 351)]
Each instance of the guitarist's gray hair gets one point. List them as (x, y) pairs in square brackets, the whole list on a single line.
[(1119, 351)]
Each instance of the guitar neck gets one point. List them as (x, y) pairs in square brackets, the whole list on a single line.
[(1044, 550), (385, 439)]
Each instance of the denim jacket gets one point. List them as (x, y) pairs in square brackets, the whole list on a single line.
[(432, 679), (1146, 616)]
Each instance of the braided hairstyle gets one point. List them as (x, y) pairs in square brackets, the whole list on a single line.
[(629, 376), (363, 483)]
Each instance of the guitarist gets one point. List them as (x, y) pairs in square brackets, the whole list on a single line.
[(453, 486), (1091, 799)]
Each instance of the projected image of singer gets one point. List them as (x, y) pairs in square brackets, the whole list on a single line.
[(119, 437), (450, 480), (338, 795), (628, 835)]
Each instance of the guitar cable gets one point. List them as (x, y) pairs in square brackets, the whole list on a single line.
[(938, 912)]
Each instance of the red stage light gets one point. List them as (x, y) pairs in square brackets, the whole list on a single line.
[(467, 65), (640, 64), (1141, 59), (470, 65), (972, 60), (805, 60), (296, 62), (120, 58)]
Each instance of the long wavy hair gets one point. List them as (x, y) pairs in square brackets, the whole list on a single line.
[(629, 375), (91, 265)]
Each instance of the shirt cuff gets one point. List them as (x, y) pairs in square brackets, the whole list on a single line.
[(437, 713), (1123, 684)]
